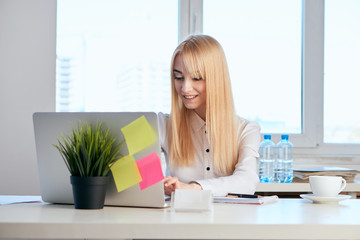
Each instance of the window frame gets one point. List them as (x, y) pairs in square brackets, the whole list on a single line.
[(311, 141)]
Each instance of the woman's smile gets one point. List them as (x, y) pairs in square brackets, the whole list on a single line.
[(189, 97)]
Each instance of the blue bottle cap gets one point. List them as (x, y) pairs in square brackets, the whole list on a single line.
[(267, 137), (284, 137)]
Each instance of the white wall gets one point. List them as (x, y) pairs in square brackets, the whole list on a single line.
[(27, 85)]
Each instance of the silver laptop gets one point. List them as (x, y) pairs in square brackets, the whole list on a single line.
[(55, 177)]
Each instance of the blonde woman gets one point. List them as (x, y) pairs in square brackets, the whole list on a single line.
[(206, 145)]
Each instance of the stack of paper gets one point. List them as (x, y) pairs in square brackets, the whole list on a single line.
[(302, 174), (259, 200)]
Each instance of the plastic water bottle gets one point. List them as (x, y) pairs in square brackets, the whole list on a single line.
[(284, 167), (267, 160)]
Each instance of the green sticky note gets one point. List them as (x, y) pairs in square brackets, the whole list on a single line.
[(138, 135), (125, 173)]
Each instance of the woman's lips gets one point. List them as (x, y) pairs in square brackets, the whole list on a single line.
[(189, 97)]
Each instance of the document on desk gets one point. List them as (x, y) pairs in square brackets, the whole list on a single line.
[(240, 200), (10, 199)]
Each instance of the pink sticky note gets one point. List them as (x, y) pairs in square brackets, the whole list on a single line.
[(150, 170)]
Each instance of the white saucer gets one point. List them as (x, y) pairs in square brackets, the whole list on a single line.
[(316, 199)]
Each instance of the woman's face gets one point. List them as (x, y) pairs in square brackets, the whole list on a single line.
[(190, 89)]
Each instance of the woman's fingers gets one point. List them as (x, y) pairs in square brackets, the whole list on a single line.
[(170, 181), (170, 184)]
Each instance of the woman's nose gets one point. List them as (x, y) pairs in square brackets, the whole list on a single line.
[(187, 85)]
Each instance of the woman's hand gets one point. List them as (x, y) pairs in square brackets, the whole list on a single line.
[(172, 183)]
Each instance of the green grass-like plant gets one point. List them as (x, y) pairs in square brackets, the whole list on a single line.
[(89, 151)]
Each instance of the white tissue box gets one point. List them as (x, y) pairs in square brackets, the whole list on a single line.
[(191, 200)]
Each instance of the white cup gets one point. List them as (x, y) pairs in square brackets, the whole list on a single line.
[(326, 186)]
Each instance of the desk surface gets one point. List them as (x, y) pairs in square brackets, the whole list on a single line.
[(285, 219)]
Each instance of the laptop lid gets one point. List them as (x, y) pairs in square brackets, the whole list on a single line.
[(54, 176)]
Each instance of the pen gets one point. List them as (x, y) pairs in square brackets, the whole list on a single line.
[(238, 195)]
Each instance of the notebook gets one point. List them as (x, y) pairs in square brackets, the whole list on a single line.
[(54, 176)]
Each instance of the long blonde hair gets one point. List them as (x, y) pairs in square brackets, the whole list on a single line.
[(204, 56)]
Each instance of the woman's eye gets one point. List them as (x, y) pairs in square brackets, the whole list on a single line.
[(197, 79), (179, 78)]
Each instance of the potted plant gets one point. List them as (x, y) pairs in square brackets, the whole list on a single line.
[(88, 152)]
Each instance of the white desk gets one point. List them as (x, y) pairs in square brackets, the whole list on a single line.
[(286, 219), (350, 189)]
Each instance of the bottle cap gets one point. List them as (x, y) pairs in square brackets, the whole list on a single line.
[(267, 137), (285, 137)]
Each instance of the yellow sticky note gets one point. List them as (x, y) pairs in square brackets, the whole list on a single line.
[(125, 173), (139, 135)]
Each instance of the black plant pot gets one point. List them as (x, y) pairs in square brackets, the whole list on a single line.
[(89, 192)]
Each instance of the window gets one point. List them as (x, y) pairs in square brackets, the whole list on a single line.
[(342, 76), (115, 55), (262, 42), (293, 63)]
